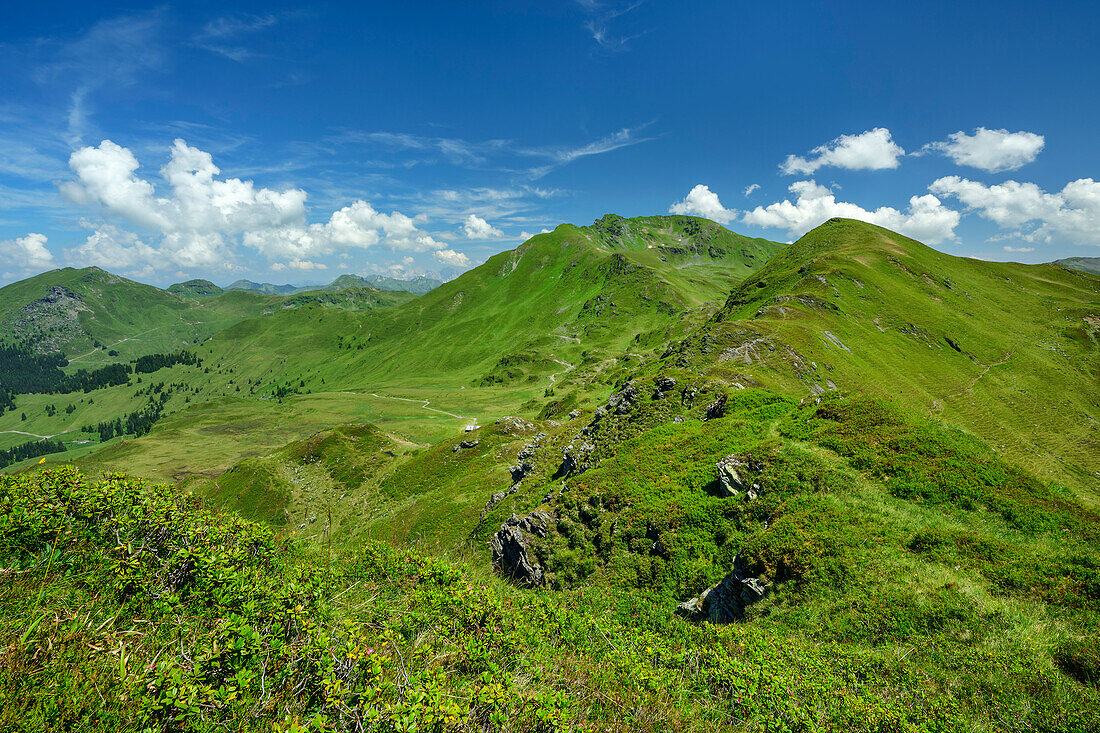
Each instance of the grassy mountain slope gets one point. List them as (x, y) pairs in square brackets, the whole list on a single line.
[(195, 288), (74, 310), (916, 583), (1007, 351), (558, 294), (265, 288)]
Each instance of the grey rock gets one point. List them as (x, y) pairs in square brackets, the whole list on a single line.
[(734, 474), (623, 401), (524, 464), (664, 384), (575, 458), (464, 445), (574, 414), (730, 481), (511, 547), (515, 425), (717, 408), (678, 419), (520, 470), (726, 601)]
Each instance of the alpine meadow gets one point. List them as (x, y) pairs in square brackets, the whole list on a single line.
[(822, 460)]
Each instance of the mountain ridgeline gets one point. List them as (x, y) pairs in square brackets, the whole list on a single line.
[(646, 474)]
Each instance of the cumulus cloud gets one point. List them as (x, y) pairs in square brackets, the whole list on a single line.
[(452, 258), (870, 150), (113, 248), (477, 228), (1029, 212), (29, 252), (202, 216), (302, 265), (751, 187), (990, 150), (926, 219), (1018, 249), (701, 201)]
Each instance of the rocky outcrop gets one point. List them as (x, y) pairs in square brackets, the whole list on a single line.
[(465, 445), (736, 477), (623, 401), (50, 322), (512, 425), (511, 547), (524, 459), (717, 408), (726, 601), (664, 384), (575, 458)]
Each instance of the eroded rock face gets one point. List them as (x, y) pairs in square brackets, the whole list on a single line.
[(524, 464), (623, 401), (512, 425), (717, 408), (510, 546), (726, 601), (663, 385), (575, 458), (736, 477)]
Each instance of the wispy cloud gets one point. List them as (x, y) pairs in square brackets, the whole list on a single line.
[(625, 137), (110, 54), (600, 21), (499, 155), (223, 36)]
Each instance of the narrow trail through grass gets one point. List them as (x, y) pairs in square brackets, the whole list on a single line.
[(423, 406)]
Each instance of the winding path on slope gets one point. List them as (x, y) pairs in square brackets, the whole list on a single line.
[(423, 406), (35, 435), (135, 336), (554, 376)]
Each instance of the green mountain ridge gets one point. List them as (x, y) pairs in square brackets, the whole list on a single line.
[(195, 288)]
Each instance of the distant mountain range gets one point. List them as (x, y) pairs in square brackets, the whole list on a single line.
[(1084, 264), (417, 285)]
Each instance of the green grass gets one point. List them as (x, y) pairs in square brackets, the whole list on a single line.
[(129, 606)]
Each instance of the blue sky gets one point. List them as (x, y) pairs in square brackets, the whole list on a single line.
[(294, 143)]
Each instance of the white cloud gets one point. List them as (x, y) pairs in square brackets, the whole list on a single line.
[(29, 252), (220, 35), (306, 265), (1018, 249), (870, 150), (601, 15), (452, 258), (1072, 214), (204, 216), (991, 150), (751, 187), (701, 201), (926, 220), (114, 249), (524, 236), (477, 228)]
